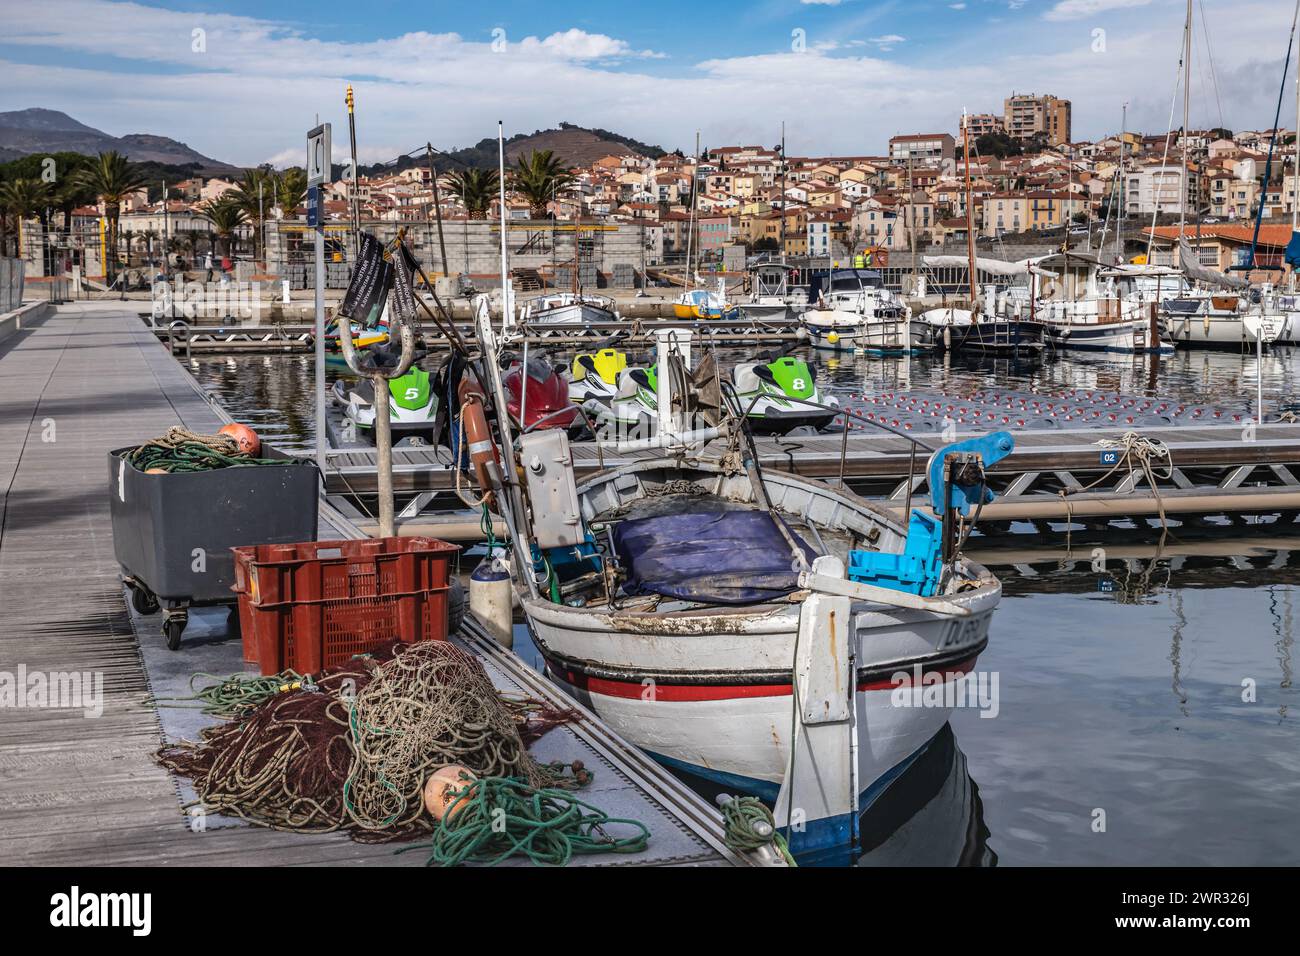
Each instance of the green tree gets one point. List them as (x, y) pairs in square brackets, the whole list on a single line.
[(476, 188), (255, 196), (22, 199), (291, 190), (539, 178), (111, 178), (226, 214)]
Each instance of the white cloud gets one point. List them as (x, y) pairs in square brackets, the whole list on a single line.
[(956, 6), (822, 3), (1078, 9), (260, 85)]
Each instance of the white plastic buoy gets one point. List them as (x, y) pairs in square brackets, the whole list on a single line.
[(490, 599)]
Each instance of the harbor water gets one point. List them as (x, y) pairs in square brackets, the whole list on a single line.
[(1139, 706)]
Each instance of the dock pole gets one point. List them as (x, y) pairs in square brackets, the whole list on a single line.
[(320, 344)]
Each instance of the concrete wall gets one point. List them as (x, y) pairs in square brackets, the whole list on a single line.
[(475, 247)]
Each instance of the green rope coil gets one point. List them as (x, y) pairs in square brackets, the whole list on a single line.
[(235, 695), (749, 826), (494, 818)]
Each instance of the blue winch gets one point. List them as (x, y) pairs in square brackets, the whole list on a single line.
[(957, 486)]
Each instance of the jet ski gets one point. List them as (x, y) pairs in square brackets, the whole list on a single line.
[(768, 392), (412, 406)]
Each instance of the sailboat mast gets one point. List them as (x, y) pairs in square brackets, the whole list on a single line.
[(690, 222), (1187, 96), (501, 187), (782, 192), (1123, 184), (970, 215), (1295, 181)]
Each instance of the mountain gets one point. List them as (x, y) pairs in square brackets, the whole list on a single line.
[(24, 132), (574, 145)]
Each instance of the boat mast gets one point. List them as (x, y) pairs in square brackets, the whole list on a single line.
[(1295, 182), (782, 192), (690, 222), (970, 217), (501, 187), (1187, 96), (1123, 183), (911, 215)]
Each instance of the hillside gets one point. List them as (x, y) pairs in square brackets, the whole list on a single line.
[(574, 145), (30, 131)]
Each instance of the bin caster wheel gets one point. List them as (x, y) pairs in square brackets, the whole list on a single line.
[(144, 601), (173, 627)]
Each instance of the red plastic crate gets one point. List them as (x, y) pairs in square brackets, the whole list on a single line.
[(314, 605)]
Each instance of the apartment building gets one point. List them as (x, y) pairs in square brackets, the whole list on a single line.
[(924, 147), (1025, 115)]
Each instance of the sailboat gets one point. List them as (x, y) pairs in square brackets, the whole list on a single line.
[(982, 326)]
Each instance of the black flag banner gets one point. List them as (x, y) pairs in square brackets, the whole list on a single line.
[(403, 304), (368, 290)]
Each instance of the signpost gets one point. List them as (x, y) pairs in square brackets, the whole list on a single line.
[(318, 174)]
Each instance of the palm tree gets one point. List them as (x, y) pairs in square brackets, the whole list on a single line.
[(539, 179), (291, 190), (111, 178), (255, 196), (226, 215), (477, 188), (22, 199)]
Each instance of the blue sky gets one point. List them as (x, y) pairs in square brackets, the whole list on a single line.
[(844, 76)]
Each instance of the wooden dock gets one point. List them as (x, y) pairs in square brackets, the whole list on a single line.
[(78, 790)]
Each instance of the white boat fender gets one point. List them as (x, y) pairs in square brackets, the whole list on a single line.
[(491, 599)]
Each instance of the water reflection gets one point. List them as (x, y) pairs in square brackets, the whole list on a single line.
[(932, 815)]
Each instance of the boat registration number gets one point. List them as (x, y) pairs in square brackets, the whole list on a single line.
[(963, 634)]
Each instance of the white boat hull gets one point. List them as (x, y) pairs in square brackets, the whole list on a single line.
[(836, 330)]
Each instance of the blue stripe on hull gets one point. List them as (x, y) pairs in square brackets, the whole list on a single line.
[(825, 842)]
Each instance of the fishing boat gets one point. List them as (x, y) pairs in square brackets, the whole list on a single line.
[(855, 312), (1083, 312), (568, 309), (705, 304), (776, 635), (989, 323), (773, 299)]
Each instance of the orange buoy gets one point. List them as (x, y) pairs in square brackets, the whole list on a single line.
[(156, 471), (244, 436), (438, 790)]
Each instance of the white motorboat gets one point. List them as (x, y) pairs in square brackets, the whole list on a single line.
[(773, 299), (855, 312)]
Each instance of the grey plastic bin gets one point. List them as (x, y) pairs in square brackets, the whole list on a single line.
[(173, 533)]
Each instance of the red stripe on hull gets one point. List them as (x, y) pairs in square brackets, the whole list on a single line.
[(632, 690)]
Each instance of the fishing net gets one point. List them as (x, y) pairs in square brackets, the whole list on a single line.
[(352, 748), (430, 706)]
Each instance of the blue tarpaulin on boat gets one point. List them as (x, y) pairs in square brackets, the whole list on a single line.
[(1293, 251), (712, 557)]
